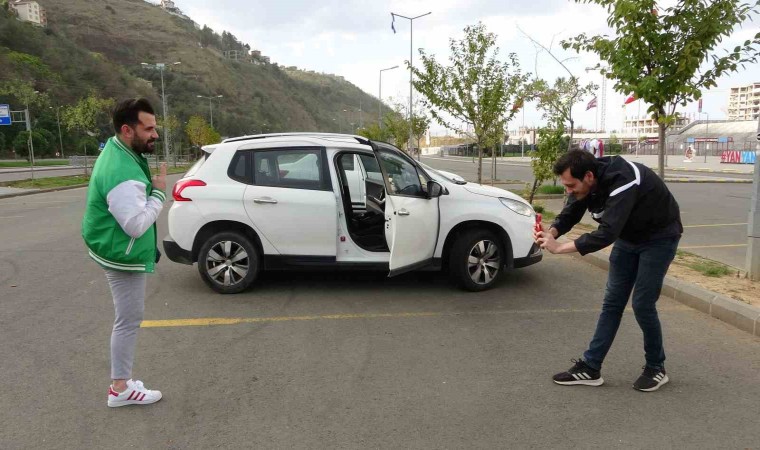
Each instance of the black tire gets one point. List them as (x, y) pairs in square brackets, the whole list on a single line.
[(464, 272), (238, 275)]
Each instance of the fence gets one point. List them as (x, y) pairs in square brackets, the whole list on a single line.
[(471, 150)]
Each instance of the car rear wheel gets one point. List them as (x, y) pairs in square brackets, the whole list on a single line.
[(228, 262), (477, 260)]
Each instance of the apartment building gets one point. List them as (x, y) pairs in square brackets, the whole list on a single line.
[(744, 102), (29, 11)]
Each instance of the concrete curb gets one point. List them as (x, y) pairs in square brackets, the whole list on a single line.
[(733, 312), (42, 191)]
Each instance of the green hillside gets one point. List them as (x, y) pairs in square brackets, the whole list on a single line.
[(97, 46)]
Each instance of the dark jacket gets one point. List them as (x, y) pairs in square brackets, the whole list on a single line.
[(630, 202)]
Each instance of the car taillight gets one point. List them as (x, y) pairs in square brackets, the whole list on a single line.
[(181, 186)]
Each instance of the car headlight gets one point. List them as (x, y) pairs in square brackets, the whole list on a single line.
[(517, 206)]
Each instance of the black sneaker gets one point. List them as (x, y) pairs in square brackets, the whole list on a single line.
[(580, 373), (651, 380)]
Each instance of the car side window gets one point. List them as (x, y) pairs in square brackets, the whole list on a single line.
[(290, 168), (239, 169), (403, 178)]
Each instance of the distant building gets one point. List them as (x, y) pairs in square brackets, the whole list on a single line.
[(647, 125), (744, 102), (29, 11)]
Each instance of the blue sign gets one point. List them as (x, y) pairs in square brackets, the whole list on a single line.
[(748, 157), (722, 140), (690, 140), (5, 115)]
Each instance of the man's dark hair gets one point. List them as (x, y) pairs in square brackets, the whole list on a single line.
[(128, 111), (578, 161)]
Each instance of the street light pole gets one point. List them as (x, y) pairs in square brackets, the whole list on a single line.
[(411, 73), (753, 225), (380, 97), (161, 67), (210, 107), (60, 136)]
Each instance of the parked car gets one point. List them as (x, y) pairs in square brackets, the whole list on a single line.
[(307, 200)]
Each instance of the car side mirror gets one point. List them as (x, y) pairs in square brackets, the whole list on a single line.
[(435, 189)]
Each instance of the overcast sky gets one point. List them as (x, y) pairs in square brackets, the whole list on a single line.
[(354, 39)]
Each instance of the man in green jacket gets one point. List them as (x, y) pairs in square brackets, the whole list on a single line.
[(119, 229)]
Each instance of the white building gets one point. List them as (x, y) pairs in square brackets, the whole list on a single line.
[(29, 11), (744, 102), (647, 125)]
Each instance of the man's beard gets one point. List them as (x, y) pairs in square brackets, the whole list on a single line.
[(142, 147)]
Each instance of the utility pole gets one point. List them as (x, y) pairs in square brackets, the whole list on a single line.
[(210, 107), (31, 141), (753, 225)]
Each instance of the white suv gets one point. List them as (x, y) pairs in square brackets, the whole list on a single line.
[(309, 200)]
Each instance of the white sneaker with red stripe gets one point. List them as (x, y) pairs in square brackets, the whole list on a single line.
[(135, 394)]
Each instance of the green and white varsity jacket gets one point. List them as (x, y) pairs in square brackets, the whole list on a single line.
[(119, 224)]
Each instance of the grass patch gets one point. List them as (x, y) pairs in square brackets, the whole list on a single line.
[(549, 189), (43, 163), (710, 268), (546, 215), (57, 182), (49, 183)]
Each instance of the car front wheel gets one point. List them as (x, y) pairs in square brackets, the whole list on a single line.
[(477, 260), (228, 262)]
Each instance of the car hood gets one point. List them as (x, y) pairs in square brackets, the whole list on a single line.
[(490, 191)]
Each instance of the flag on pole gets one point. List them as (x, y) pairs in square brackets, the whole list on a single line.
[(518, 104), (699, 109), (393, 23), (630, 99), (591, 104)]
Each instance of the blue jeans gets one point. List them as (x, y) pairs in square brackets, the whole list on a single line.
[(640, 268)]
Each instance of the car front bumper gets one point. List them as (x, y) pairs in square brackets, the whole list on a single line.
[(533, 257)]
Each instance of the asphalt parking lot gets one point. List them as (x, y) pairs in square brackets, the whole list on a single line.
[(351, 360)]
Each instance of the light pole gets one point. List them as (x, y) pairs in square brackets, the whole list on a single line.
[(411, 64), (29, 129), (210, 108), (707, 132), (161, 67), (60, 136), (380, 97), (753, 225)]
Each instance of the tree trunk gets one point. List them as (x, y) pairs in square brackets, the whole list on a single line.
[(533, 190), (661, 145), (480, 163)]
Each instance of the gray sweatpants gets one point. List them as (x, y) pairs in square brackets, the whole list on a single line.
[(128, 291)]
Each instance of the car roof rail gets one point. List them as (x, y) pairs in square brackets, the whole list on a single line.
[(360, 139)]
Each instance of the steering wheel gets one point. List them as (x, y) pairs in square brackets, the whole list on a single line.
[(412, 189), (377, 204)]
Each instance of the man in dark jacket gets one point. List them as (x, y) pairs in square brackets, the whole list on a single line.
[(637, 213)]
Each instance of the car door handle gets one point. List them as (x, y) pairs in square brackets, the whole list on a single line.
[(265, 200), (403, 212)]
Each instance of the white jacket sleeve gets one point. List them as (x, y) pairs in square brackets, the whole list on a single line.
[(135, 211)]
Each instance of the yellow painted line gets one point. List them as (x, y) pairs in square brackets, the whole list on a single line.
[(713, 246), (715, 225), (214, 321)]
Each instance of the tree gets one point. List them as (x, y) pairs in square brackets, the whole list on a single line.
[(550, 146), (85, 114), (2, 142), (374, 132), (474, 89), (658, 54), (557, 101), (21, 143), (200, 133)]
